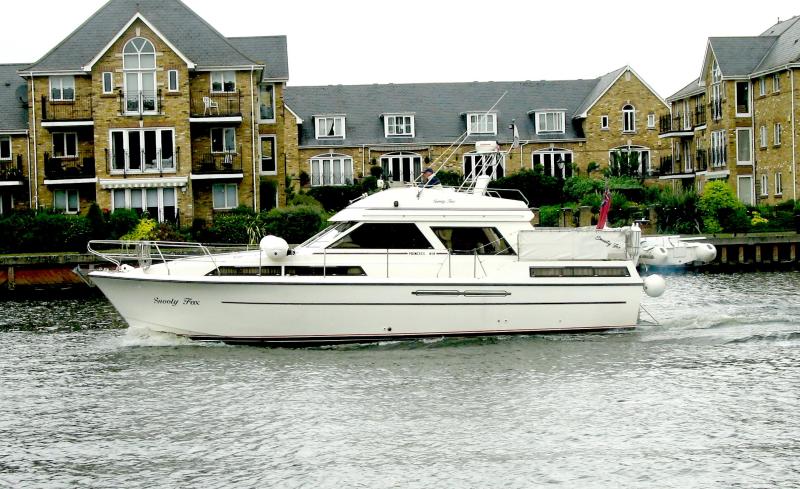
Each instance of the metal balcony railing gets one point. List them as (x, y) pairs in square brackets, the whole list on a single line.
[(80, 165), (11, 170), (79, 109), (141, 102), (699, 117), (145, 161), (211, 163), (214, 104)]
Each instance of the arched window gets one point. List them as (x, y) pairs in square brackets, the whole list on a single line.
[(556, 162), (331, 169), (628, 118), (139, 64), (477, 164), (630, 160), (401, 166)]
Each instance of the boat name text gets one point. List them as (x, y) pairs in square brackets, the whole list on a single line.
[(172, 301)]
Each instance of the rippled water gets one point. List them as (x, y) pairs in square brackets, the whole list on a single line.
[(709, 398)]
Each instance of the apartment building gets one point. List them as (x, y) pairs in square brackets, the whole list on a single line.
[(737, 120), (562, 126), (146, 106)]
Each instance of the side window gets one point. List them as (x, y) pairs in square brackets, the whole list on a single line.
[(468, 241), (379, 236)]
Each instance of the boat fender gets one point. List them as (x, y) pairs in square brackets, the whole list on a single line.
[(654, 285), (706, 253), (125, 268), (275, 247)]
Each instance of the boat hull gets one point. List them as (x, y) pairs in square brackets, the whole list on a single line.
[(302, 312)]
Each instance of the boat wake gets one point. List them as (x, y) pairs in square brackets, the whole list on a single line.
[(144, 337), (772, 337)]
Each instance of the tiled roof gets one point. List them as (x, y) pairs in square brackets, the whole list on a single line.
[(693, 88), (183, 28), (601, 86), (739, 56), (439, 109), (13, 99), (269, 51), (787, 47)]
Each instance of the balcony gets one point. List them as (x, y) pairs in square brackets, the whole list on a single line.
[(11, 171), (76, 112), (148, 161), (716, 109), (142, 102), (699, 117), (218, 165), (215, 107), (677, 125), (672, 168), (73, 167)]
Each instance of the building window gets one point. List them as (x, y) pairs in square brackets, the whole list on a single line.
[(778, 184), (398, 125), (139, 64), (65, 144), (776, 82), (716, 101), (6, 202), (742, 98), (479, 164), (481, 123), (330, 127), (743, 146), (603, 122), (777, 135), (223, 140), (5, 147), (331, 169), (762, 136), (108, 82), (549, 122), (745, 189), (159, 203), (719, 152), (225, 195), (628, 118), (66, 200), (172, 80), (762, 86), (266, 97), (269, 164), (142, 150), (651, 121), (401, 167), (632, 154), (223, 81), (555, 162), (62, 88), (764, 185)]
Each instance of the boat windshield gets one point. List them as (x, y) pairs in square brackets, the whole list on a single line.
[(328, 235)]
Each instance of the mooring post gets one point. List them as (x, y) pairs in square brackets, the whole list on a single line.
[(12, 282), (758, 253)]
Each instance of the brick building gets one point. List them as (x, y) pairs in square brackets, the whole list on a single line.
[(738, 120)]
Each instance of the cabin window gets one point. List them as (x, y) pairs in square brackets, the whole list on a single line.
[(579, 272), (325, 271), (469, 240), (383, 236)]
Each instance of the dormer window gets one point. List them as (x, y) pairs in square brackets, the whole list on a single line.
[(481, 123), (62, 88), (330, 126), (398, 125), (223, 81), (549, 121)]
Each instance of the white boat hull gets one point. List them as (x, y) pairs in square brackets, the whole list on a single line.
[(297, 310)]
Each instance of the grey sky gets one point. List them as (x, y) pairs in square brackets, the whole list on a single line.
[(344, 42)]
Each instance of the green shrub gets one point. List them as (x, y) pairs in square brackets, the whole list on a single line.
[(450, 178), (304, 199), (576, 188), (143, 230), (678, 212), (294, 224), (369, 184), (228, 228), (121, 221), (538, 188), (721, 210), (376, 171), (97, 222), (335, 197), (548, 215)]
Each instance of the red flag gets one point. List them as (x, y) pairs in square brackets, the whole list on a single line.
[(605, 206)]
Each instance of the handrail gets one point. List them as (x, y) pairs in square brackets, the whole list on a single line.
[(127, 250)]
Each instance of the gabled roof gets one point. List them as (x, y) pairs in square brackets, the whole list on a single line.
[(13, 99), (692, 88), (739, 56), (269, 51), (787, 47), (601, 87), (192, 36)]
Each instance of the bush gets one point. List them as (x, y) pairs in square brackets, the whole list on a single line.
[(576, 188), (721, 210), (294, 224), (121, 222), (335, 197), (538, 188), (376, 171), (305, 200), (678, 212), (548, 215), (143, 230), (450, 178), (97, 222), (228, 228)]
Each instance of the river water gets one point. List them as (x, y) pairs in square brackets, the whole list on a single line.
[(710, 397)]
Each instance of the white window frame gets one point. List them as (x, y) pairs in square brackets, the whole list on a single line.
[(718, 149), (749, 145), (764, 185), (651, 121), (628, 118), (762, 86), (736, 98), (57, 82), (553, 152), (159, 168), (108, 77), (739, 186), (716, 101), (473, 156), (776, 82), (67, 192), (555, 117), (63, 136), (762, 136), (225, 190), (777, 134), (414, 162), (159, 196), (141, 91), (10, 152), (640, 150), (398, 125), (225, 148), (778, 184), (325, 165), (481, 123), (261, 89), (320, 122), (170, 86), (604, 122), (223, 77), (274, 154)]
